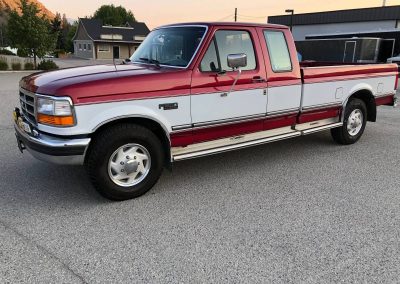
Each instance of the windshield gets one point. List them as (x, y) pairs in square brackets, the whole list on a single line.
[(174, 46)]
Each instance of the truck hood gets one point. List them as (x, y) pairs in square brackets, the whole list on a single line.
[(108, 82)]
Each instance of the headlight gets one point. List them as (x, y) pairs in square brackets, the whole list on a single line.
[(56, 112)]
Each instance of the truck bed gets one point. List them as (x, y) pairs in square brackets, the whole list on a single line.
[(346, 72)]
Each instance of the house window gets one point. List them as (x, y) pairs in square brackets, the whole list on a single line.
[(104, 48), (84, 46), (80, 46), (89, 46)]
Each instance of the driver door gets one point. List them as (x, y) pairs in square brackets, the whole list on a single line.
[(217, 112)]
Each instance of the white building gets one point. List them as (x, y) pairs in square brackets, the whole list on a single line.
[(342, 21)]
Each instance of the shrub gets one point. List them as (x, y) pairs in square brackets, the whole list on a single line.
[(22, 53), (29, 66), (6, 52), (47, 65), (3, 65), (16, 66)]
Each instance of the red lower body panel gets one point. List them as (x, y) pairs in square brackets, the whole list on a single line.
[(204, 134), (388, 101), (318, 114), (185, 138)]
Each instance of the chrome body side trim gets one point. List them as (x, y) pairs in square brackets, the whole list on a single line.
[(321, 107), (229, 121), (283, 112), (181, 127), (208, 124)]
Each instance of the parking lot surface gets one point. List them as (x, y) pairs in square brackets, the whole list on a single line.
[(301, 210)]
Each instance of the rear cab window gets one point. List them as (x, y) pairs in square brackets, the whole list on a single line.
[(278, 51)]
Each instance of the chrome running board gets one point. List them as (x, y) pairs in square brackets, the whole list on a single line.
[(201, 153), (248, 140), (321, 128)]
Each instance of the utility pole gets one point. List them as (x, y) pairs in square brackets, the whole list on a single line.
[(291, 11), (384, 3), (235, 14)]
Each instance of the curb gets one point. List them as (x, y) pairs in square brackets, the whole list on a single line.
[(20, 71)]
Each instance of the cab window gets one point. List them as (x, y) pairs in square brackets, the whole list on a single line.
[(278, 51), (227, 42)]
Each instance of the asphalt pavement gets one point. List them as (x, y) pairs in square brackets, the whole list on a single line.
[(303, 210)]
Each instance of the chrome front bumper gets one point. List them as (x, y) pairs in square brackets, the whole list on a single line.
[(63, 151)]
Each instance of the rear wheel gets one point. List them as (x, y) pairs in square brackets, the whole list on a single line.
[(355, 120), (125, 161)]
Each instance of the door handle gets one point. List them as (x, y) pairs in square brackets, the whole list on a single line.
[(258, 79)]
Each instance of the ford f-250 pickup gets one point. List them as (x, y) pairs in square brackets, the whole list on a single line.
[(192, 90)]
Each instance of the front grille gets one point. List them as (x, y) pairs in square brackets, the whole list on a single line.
[(27, 101)]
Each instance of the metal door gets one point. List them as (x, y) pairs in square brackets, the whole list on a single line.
[(349, 51)]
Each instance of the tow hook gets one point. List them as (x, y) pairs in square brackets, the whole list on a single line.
[(21, 145)]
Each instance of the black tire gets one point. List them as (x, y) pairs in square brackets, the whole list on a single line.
[(105, 145), (342, 135)]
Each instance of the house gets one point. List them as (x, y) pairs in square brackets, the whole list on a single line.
[(341, 22), (93, 40)]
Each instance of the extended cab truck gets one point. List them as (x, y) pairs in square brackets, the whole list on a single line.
[(192, 90)]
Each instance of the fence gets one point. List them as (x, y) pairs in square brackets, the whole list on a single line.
[(10, 60)]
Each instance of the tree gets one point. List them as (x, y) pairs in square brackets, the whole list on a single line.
[(69, 44), (115, 16), (30, 33), (56, 27), (3, 28)]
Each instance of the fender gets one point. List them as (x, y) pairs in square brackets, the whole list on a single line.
[(92, 116)]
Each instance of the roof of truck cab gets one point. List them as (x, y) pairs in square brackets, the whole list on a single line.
[(230, 24)]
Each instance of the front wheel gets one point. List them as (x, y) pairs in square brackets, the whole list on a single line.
[(355, 120), (125, 161)]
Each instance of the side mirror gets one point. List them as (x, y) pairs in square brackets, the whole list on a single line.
[(126, 61), (238, 60)]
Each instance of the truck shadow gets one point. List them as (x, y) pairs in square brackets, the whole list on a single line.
[(62, 185)]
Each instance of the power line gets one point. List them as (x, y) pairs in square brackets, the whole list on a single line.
[(224, 18), (252, 17)]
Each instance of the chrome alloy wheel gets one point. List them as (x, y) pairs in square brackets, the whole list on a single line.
[(355, 122), (129, 165)]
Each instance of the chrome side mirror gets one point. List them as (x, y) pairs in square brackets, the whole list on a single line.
[(238, 60)]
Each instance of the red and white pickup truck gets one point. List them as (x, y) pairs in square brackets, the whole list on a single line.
[(192, 90)]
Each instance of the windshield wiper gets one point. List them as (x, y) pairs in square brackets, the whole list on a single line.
[(151, 61)]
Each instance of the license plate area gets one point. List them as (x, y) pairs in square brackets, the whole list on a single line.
[(22, 124)]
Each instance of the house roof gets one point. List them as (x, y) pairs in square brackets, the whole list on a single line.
[(95, 29), (340, 16)]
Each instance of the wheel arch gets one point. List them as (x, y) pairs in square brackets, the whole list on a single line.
[(150, 123), (368, 98)]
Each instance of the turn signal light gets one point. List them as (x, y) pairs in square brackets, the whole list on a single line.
[(56, 120)]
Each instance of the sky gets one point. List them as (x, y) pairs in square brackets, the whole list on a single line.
[(158, 12)]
